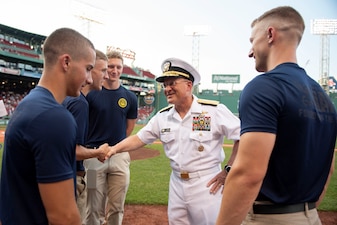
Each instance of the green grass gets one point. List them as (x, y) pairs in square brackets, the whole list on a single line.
[(329, 202), (150, 177), (149, 180)]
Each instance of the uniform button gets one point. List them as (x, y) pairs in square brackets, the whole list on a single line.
[(201, 148)]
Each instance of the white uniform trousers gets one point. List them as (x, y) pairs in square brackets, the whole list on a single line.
[(190, 201)]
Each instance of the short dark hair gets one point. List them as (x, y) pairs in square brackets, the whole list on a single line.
[(101, 55), (65, 41)]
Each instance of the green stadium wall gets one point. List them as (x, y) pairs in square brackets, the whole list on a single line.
[(225, 97), (231, 100)]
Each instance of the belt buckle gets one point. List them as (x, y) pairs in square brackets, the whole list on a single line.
[(184, 175)]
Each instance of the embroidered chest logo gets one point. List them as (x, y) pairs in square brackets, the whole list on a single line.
[(201, 122), (122, 102)]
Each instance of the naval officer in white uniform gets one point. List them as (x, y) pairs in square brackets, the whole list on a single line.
[(192, 131)]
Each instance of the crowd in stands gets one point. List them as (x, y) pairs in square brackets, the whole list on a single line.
[(11, 100), (144, 112)]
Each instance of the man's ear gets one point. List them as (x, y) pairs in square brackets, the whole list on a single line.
[(65, 61), (271, 34)]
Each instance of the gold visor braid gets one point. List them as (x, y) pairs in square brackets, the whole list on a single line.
[(175, 73)]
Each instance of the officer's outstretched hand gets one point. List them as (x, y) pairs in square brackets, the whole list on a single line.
[(217, 182), (111, 152)]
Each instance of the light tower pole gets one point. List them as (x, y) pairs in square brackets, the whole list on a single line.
[(88, 22), (324, 28), (88, 13), (195, 49), (196, 32)]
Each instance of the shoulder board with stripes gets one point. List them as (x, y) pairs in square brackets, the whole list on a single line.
[(208, 102), (166, 109)]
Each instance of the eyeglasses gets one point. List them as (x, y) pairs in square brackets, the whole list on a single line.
[(172, 83)]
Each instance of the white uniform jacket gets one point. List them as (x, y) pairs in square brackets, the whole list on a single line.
[(196, 142)]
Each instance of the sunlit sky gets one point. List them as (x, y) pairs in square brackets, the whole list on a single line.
[(155, 30)]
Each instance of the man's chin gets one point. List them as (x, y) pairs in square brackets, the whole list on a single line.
[(169, 100), (74, 94), (96, 88)]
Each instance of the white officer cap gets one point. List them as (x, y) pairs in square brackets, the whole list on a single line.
[(173, 67)]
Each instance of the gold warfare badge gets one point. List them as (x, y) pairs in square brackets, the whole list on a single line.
[(122, 102)]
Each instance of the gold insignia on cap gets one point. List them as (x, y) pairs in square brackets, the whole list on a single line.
[(166, 66)]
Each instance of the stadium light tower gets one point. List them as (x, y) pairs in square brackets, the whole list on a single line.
[(87, 13), (324, 28), (196, 32), (88, 21)]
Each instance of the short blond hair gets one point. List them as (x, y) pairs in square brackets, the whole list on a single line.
[(286, 17), (115, 55)]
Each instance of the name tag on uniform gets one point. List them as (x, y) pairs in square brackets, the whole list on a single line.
[(164, 130)]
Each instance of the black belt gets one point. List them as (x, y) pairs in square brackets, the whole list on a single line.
[(282, 209), (91, 146), (80, 173)]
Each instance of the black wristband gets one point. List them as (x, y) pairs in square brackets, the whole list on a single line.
[(227, 168)]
